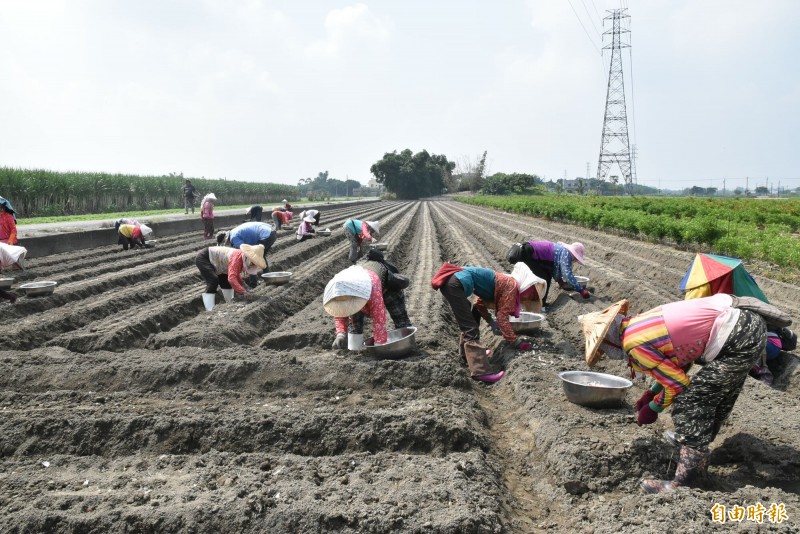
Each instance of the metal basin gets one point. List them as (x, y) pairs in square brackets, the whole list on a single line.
[(398, 343), (594, 390), (38, 289), (526, 322), (6, 283), (324, 233), (277, 278), (582, 280), (379, 246)]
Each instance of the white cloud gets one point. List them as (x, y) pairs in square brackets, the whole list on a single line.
[(350, 28)]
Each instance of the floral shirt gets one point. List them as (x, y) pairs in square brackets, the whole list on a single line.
[(506, 303), (562, 267), (374, 308), (227, 260)]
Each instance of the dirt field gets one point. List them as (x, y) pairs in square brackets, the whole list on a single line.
[(127, 407)]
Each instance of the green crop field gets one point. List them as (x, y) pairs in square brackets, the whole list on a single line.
[(42, 193), (760, 229)]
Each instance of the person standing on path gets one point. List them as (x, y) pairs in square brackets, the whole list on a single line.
[(188, 196), (8, 223), (725, 333), (207, 214)]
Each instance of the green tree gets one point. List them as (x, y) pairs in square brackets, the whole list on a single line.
[(410, 175)]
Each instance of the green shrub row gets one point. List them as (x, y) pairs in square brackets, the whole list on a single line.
[(743, 228)]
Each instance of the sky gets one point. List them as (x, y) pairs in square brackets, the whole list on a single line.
[(279, 90)]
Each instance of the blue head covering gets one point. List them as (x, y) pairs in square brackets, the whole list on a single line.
[(7, 204)]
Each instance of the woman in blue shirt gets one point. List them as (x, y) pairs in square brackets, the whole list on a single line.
[(250, 233)]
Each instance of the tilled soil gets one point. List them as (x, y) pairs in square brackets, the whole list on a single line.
[(127, 407)]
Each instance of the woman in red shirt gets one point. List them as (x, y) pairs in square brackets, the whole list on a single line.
[(8, 223)]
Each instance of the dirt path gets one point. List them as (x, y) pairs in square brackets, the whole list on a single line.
[(127, 407)]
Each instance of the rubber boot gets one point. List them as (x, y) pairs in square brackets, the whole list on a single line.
[(477, 359), (209, 300), (671, 438), (461, 348), (692, 467), (227, 294)]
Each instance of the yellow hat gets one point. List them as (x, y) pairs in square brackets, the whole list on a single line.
[(595, 326)]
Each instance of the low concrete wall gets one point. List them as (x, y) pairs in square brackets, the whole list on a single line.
[(57, 242)]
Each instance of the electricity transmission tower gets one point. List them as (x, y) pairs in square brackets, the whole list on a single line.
[(614, 145)]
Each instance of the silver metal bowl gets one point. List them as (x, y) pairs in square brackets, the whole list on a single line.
[(582, 280), (277, 278), (594, 390), (38, 289), (6, 283), (380, 246), (324, 233), (526, 322), (398, 343), (286, 226)]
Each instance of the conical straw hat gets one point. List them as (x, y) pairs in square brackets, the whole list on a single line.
[(595, 326), (347, 292)]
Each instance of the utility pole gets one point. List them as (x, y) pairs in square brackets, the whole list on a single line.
[(723, 187), (614, 143), (747, 186)]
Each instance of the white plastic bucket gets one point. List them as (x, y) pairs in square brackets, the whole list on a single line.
[(208, 300), (227, 294), (355, 341)]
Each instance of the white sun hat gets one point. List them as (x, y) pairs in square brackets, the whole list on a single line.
[(525, 277), (347, 292)]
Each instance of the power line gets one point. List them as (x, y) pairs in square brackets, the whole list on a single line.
[(595, 10), (584, 28), (591, 19)]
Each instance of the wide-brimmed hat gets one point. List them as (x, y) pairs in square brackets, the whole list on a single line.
[(309, 219), (595, 327), (347, 292), (254, 254), (525, 277), (284, 201), (146, 230), (211, 196), (375, 227), (576, 249)]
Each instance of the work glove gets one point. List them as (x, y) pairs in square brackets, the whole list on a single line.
[(561, 284), (496, 328), (646, 415), (340, 342), (645, 399), (523, 344), (585, 293)]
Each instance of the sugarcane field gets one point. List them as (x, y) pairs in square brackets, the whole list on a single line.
[(132, 404)]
